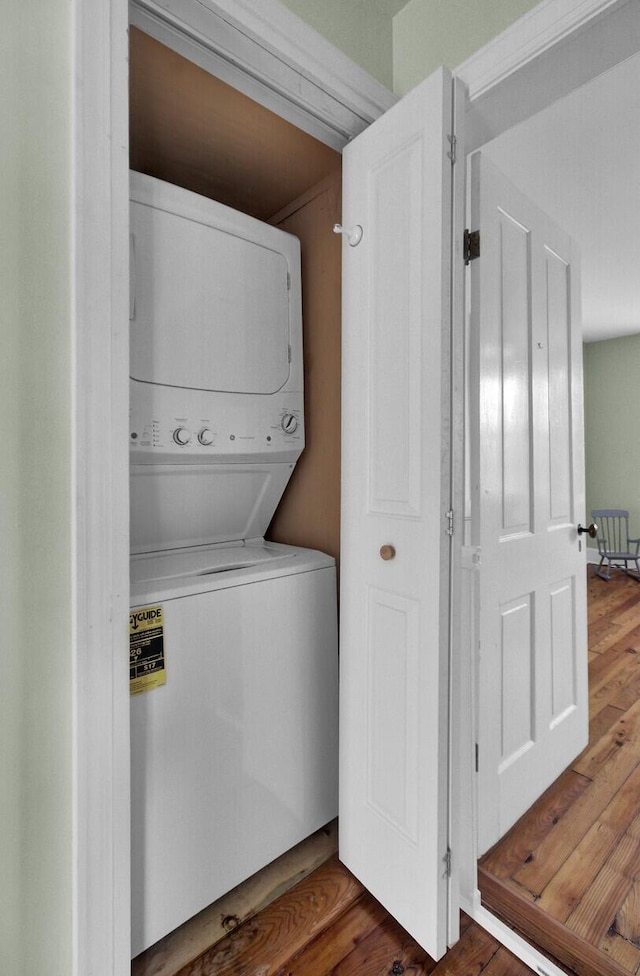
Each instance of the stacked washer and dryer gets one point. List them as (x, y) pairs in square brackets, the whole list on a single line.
[(234, 756)]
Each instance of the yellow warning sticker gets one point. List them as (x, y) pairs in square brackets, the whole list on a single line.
[(146, 649)]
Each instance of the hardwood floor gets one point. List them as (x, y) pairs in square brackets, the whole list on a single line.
[(329, 925), (567, 875)]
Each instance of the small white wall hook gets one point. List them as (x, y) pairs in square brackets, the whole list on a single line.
[(354, 236)]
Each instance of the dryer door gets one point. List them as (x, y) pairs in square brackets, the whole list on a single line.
[(211, 304)]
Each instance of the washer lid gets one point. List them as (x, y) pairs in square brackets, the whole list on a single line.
[(203, 561), (163, 576), (221, 290)]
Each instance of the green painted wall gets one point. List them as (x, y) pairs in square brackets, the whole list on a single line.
[(35, 512), (400, 45), (362, 29), (428, 33), (612, 439)]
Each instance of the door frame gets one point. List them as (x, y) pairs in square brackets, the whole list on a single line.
[(261, 41), (269, 54), (562, 47)]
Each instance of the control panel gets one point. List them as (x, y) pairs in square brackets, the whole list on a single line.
[(184, 425)]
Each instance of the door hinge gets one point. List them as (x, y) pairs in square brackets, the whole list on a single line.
[(447, 863), (289, 353), (477, 758), (449, 518), (471, 245), (453, 142), (288, 281)]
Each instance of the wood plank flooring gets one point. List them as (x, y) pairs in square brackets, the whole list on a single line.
[(329, 925), (567, 875)]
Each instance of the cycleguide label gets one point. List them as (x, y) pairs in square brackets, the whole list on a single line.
[(146, 649)]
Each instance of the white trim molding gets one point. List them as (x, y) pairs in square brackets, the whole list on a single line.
[(271, 55), (544, 26), (100, 567), (514, 943), (556, 48)]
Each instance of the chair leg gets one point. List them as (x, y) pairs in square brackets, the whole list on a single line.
[(599, 572)]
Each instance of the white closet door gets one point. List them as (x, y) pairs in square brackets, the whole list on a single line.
[(396, 451), (528, 474)]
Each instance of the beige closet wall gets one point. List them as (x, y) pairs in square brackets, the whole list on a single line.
[(192, 129), (309, 513), (195, 131)]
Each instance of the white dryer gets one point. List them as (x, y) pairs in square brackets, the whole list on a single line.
[(234, 756), (216, 392)]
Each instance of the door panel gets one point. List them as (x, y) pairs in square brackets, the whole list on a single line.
[(558, 283), (396, 490), (527, 473), (392, 785)]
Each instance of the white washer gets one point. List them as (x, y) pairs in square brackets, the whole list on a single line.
[(234, 757)]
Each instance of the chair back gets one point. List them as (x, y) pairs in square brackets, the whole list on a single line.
[(613, 529)]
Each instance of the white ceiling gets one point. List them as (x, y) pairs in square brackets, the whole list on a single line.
[(579, 161)]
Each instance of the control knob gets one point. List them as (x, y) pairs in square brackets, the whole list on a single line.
[(182, 436), (289, 423), (205, 437)]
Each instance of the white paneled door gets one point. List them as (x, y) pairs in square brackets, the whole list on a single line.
[(396, 491), (527, 500)]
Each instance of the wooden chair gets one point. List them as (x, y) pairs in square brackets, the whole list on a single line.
[(614, 544)]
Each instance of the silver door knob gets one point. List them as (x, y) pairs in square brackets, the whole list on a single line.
[(591, 530)]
